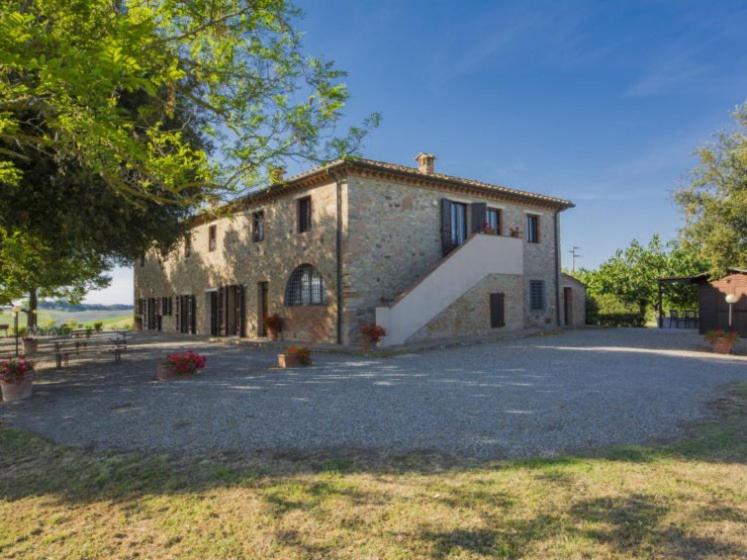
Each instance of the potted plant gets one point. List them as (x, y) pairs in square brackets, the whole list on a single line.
[(30, 345), (295, 356), (488, 229), (372, 334), (274, 325), (722, 341), (16, 378), (181, 365), (515, 232)]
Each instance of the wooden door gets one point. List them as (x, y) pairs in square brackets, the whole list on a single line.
[(497, 310), (262, 307), (568, 305)]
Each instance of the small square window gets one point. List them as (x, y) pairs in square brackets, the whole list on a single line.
[(212, 235), (533, 228), (188, 244), (536, 295), (304, 214), (258, 226)]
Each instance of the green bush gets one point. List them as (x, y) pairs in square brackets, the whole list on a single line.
[(621, 320)]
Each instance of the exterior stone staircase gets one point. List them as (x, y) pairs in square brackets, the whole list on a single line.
[(453, 276)]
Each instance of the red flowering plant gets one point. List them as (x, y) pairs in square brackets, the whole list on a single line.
[(301, 353), (185, 363), (372, 333), (15, 370)]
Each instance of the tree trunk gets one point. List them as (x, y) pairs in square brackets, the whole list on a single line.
[(642, 307), (33, 304)]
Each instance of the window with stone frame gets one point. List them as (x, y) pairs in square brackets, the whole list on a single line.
[(258, 226), (305, 287), (493, 220), (304, 214), (537, 295), (533, 229), (212, 237)]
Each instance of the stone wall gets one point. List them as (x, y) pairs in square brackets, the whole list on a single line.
[(239, 260), (470, 314), (578, 301), (395, 238)]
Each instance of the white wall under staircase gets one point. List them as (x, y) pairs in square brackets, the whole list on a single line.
[(459, 271)]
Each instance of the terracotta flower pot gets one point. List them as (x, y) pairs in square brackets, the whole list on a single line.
[(722, 346), (30, 345), (288, 361), (17, 391), (165, 373)]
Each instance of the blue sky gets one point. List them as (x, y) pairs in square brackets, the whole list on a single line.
[(600, 102)]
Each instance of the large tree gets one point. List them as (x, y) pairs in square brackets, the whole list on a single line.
[(110, 111), (239, 63), (632, 274), (715, 201)]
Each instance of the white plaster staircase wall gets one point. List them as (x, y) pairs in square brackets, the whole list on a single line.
[(454, 275)]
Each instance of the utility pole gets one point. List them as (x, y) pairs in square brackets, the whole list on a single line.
[(574, 254)]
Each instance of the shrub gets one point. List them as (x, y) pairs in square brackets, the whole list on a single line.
[(621, 319), (185, 363), (15, 369), (99, 326), (373, 333), (301, 353)]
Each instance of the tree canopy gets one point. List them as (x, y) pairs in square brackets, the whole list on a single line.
[(237, 64), (119, 118), (715, 201), (631, 274)]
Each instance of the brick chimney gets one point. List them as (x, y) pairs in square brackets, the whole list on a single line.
[(425, 162)]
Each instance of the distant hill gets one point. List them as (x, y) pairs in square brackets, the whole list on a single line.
[(61, 305)]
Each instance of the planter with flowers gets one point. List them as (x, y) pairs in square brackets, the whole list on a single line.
[(274, 325), (16, 378), (295, 356), (180, 365), (514, 232), (30, 344), (722, 341), (372, 334)]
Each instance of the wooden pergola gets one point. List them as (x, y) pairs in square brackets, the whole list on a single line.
[(671, 280)]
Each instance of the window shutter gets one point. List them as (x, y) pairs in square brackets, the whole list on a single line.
[(193, 314), (446, 225), (242, 311), (497, 310), (178, 315), (478, 216)]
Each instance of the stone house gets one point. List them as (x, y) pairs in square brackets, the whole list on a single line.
[(357, 241)]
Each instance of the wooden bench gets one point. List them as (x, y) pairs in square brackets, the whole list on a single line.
[(117, 346)]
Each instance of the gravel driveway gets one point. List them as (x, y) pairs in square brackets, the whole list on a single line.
[(535, 396)]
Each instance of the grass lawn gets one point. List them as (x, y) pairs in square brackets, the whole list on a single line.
[(111, 320), (683, 500)]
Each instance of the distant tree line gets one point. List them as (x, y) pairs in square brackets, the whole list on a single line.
[(62, 305)]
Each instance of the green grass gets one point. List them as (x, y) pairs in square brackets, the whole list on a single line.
[(684, 500), (111, 320)]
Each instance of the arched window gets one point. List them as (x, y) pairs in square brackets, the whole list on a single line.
[(305, 287)]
